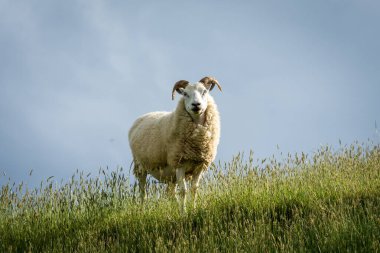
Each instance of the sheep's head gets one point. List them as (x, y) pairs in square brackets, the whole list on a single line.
[(195, 95)]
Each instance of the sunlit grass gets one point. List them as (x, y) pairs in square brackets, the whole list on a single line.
[(328, 201)]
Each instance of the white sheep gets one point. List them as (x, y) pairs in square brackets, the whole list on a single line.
[(177, 146)]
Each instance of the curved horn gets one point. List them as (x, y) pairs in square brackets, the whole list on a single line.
[(209, 83), (177, 85)]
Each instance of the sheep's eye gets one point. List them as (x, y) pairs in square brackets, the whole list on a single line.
[(185, 94), (204, 92)]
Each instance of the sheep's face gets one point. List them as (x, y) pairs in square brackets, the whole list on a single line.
[(196, 98)]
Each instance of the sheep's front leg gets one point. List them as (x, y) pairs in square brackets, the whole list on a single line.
[(180, 176), (194, 186)]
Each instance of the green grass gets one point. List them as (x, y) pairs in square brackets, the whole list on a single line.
[(328, 202)]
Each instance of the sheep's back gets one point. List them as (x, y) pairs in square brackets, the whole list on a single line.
[(147, 139)]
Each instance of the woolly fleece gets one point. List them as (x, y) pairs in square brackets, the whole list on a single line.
[(164, 140)]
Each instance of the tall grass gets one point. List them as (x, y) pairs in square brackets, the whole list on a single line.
[(326, 202)]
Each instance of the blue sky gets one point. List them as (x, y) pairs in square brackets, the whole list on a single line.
[(75, 74)]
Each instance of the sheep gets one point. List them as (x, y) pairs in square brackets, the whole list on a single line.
[(176, 147)]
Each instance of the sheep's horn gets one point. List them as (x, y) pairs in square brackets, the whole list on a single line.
[(209, 83), (177, 85)]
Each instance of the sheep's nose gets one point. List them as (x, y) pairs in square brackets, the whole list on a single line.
[(196, 104)]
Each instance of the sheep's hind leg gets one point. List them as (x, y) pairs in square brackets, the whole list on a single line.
[(170, 190), (142, 186), (141, 178), (180, 176)]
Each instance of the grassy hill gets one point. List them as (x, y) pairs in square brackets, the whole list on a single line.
[(326, 202)]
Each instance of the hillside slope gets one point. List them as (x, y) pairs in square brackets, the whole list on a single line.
[(327, 202)]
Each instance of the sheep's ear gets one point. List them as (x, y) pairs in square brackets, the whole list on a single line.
[(179, 87), (210, 82), (181, 91)]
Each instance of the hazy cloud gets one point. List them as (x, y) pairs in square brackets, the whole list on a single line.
[(75, 74)]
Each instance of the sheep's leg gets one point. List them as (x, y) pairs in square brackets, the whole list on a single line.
[(180, 175), (194, 186), (141, 177), (170, 190)]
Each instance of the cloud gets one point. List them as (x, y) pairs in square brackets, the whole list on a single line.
[(74, 75)]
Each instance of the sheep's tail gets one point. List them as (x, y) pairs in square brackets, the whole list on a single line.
[(130, 166)]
